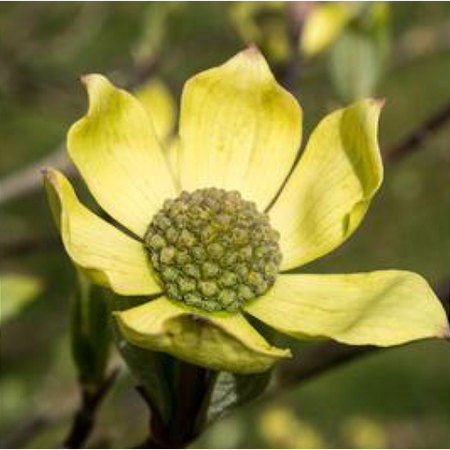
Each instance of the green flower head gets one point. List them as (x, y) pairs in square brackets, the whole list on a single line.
[(211, 237)]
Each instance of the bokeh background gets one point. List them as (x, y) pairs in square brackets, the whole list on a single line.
[(400, 51)]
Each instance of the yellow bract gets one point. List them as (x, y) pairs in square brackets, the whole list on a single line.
[(330, 190), (160, 106), (173, 159), (378, 308), (219, 341), (239, 129), (159, 103), (116, 150), (109, 256)]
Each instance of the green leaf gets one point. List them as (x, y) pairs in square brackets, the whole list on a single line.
[(231, 390), (359, 56), (90, 333), (16, 292), (148, 369), (356, 65)]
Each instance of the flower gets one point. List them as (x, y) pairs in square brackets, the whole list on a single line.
[(218, 249)]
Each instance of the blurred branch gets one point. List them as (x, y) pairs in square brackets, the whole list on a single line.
[(85, 417), (19, 247), (413, 141), (57, 414), (316, 361), (28, 179), (324, 357), (19, 437), (86, 25), (289, 72)]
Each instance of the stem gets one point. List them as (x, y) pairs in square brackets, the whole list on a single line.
[(20, 436), (296, 16), (84, 420), (190, 387)]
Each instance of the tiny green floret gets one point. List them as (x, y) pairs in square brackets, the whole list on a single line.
[(213, 250)]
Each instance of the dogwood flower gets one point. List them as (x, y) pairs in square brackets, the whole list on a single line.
[(215, 245)]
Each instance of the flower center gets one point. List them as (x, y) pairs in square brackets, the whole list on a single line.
[(213, 250)]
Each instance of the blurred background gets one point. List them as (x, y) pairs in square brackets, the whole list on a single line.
[(327, 55)]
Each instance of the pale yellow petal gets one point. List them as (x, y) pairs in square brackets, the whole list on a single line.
[(116, 150), (172, 154), (107, 255), (218, 341), (331, 188), (239, 129), (159, 103), (378, 308)]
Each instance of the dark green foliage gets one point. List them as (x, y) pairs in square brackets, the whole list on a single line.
[(90, 332)]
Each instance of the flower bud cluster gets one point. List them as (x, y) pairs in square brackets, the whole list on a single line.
[(213, 250)]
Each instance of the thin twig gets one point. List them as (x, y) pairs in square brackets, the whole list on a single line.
[(28, 180), (316, 361), (24, 246), (413, 141), (289, 72), (19, 437), (84, 420)]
